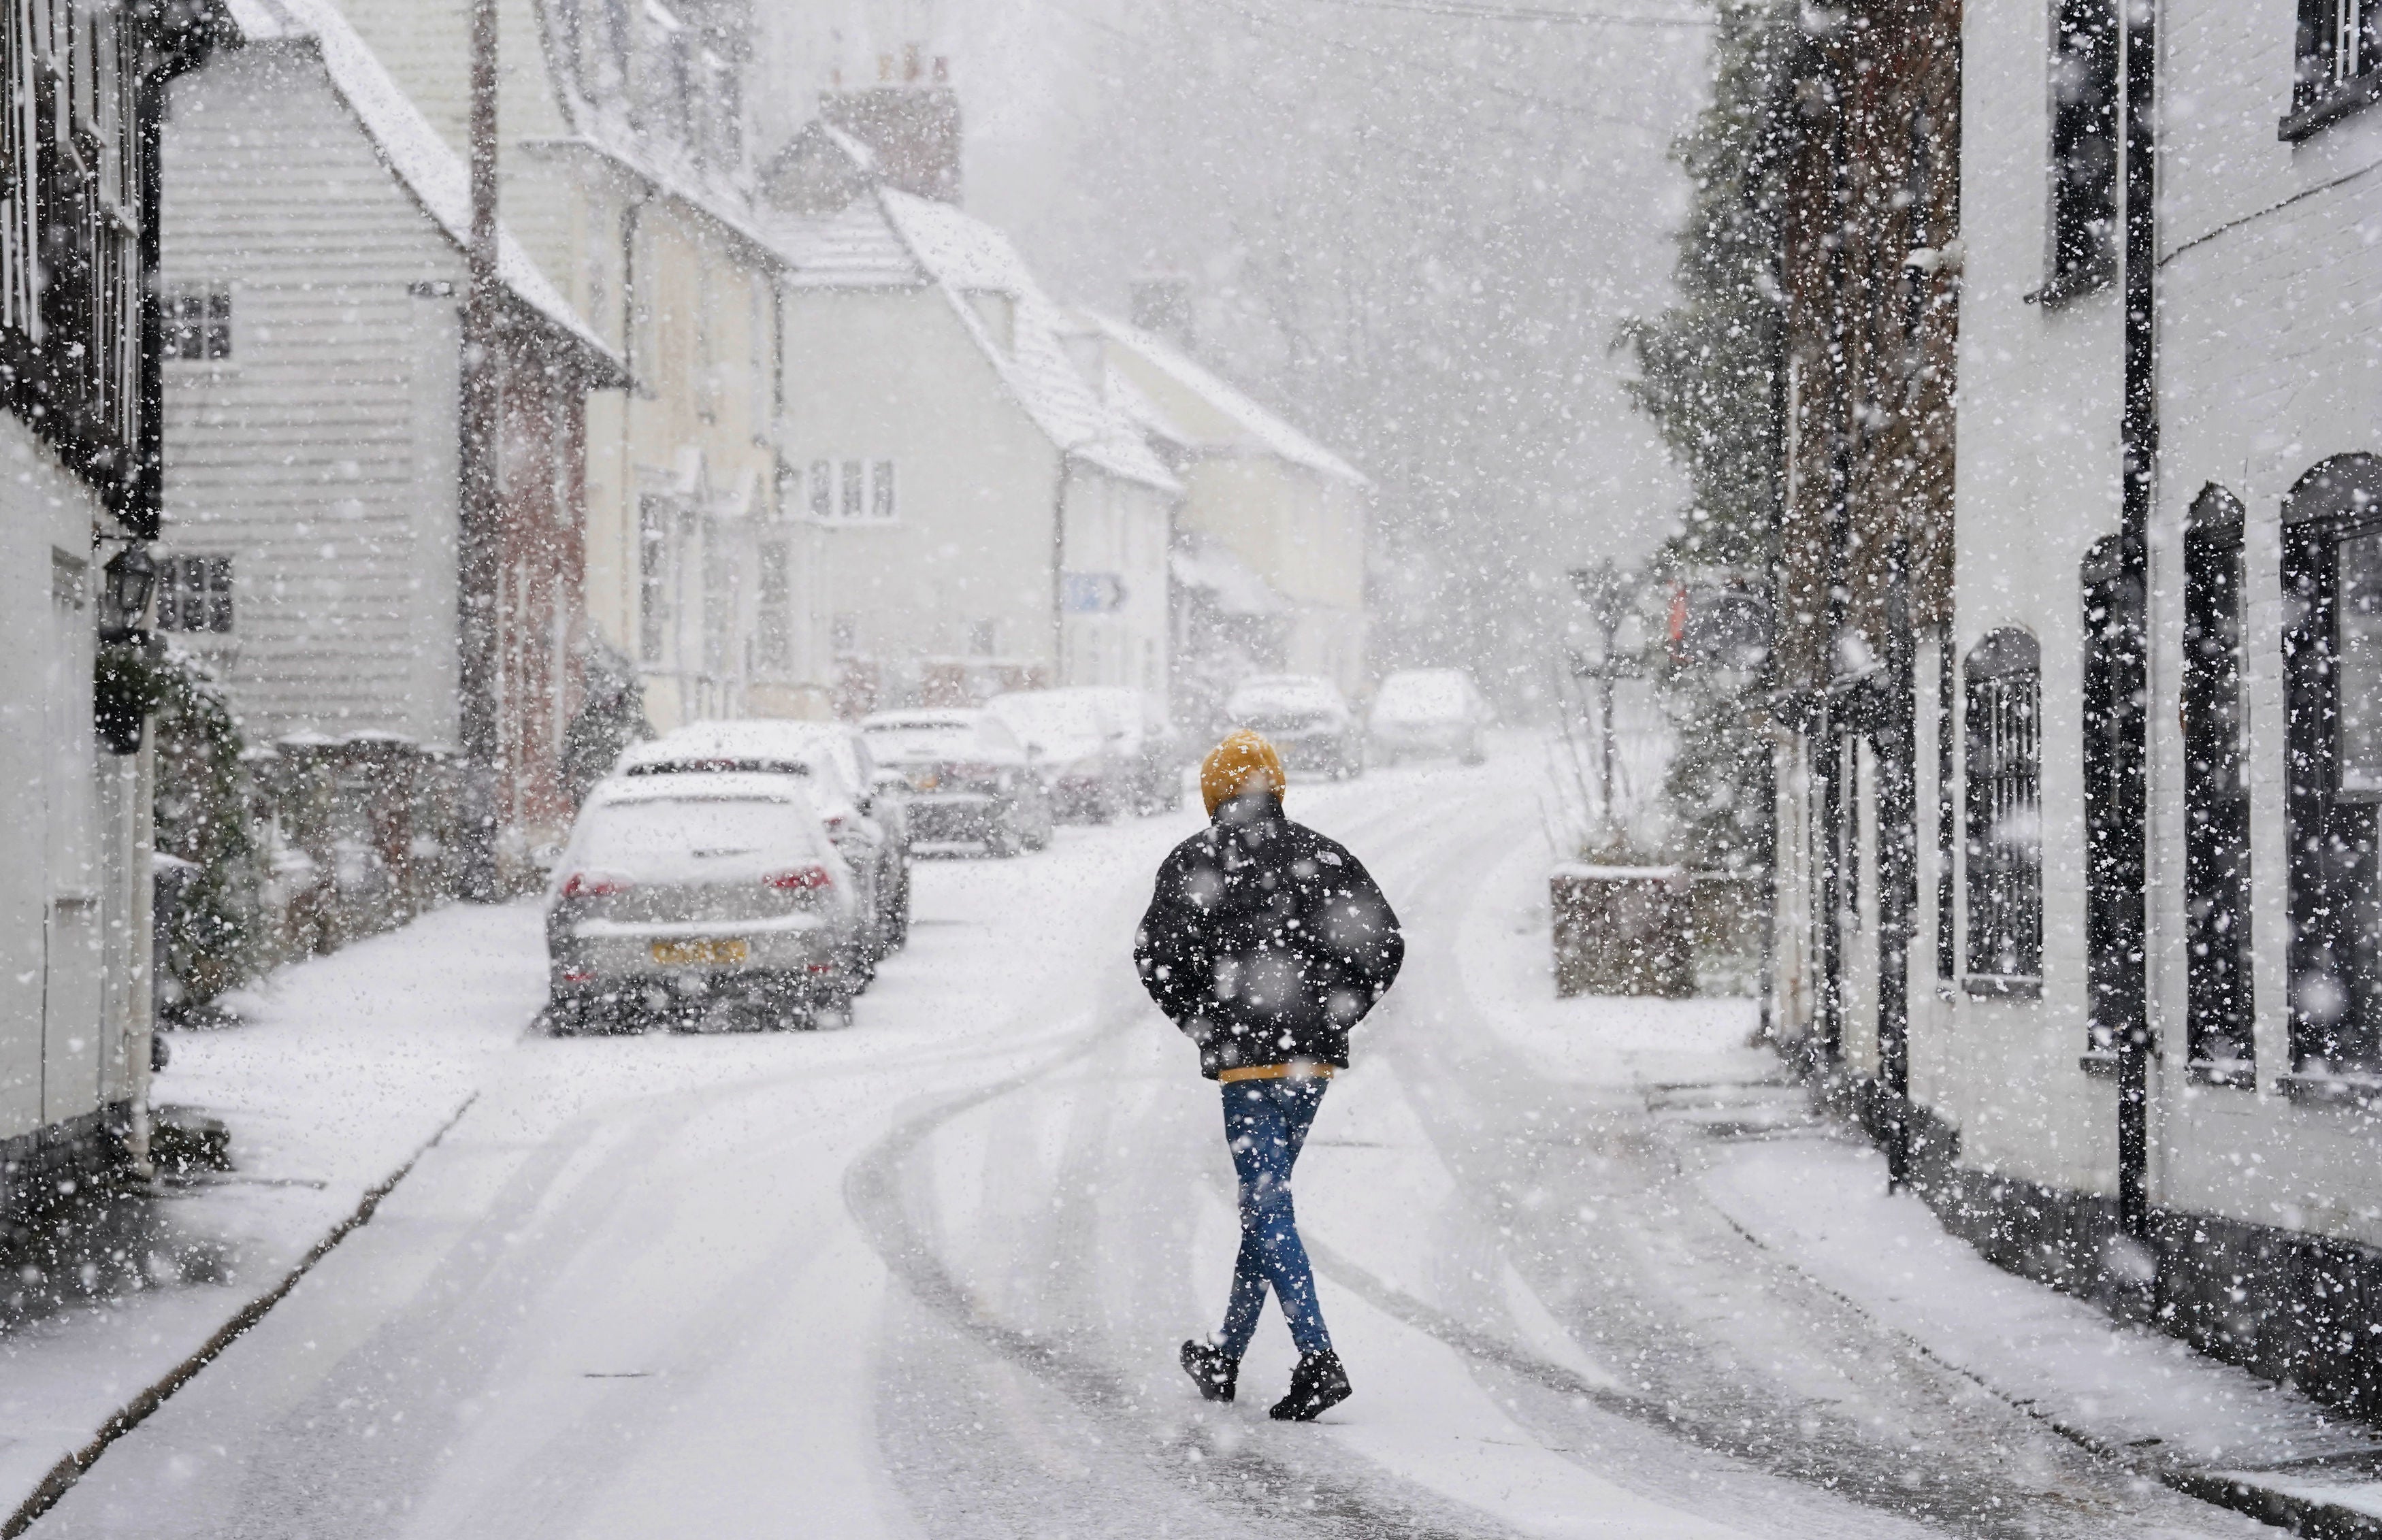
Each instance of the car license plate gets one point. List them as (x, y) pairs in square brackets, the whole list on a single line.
[(678, 954), (924, 780)]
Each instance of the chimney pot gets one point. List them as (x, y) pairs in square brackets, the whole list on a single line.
[(942, 70), (884, 68), (910, 70)]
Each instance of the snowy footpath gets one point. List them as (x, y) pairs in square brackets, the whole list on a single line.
[(1596, 1269)]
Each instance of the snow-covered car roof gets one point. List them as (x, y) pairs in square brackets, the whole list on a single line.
[(731, 786)]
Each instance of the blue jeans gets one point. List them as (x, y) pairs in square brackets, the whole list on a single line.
[(1265, 1123)]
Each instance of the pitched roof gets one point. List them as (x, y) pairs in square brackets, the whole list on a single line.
[(1256, 427), (923, 242), (412, 149)]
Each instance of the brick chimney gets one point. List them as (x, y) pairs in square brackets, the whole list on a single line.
[(912, 123)]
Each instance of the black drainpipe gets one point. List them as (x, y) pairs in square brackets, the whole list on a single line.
[(2138, 435)]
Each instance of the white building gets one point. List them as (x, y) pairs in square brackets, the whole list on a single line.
[(2258, 905), (977, 513), (313, 277), (77, 493), (1258, 494)]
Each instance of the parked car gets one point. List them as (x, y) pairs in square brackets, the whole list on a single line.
[(1306, 719), (835, 770), (968, 780), (1151, 746), (1080, 748), (678, 895), (1429, 711)]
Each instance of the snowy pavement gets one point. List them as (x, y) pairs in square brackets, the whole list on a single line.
[(1595, 1270)]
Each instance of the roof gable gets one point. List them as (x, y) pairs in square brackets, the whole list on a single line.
[(411, 148), (1224, 417)]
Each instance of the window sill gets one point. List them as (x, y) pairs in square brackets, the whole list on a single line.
[(2068, 287), (2006, 986), (2331, 107), (2238, 1074), (2332, 1090)]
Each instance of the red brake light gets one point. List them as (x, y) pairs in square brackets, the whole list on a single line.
[(802, 878), (584, 885)]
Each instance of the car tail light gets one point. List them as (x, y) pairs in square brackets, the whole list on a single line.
[(803, 879), (834, 824), (593, 884)]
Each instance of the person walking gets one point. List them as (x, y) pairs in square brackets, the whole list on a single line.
[(1266, 942)]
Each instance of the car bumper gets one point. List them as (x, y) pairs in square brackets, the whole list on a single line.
[(1441, 737), (947, 818), (697, 957)]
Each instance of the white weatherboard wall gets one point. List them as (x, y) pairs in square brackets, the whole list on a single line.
[(60, 1056), (321, 455)]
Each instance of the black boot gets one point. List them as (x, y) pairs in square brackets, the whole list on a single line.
[(1316, 1385), (1216, 1375)]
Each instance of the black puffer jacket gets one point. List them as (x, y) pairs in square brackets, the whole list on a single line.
[(1266, 941)]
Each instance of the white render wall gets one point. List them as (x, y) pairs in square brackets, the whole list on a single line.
[(58, 1056), (1119, 527), (2270, 361), (2036, 483), (892, 374), (321, 455)]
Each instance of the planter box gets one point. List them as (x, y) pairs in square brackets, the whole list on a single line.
[(1624, 930)]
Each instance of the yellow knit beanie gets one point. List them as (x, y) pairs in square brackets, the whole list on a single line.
[(1232, 765)]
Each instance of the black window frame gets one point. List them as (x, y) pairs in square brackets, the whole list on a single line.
[(196, 318), (2334, 956), (2330, 82), (2002, 713), (2081, 253), (195, 594), (2219, 998)]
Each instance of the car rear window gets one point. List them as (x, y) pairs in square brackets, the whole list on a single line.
[(673, 829)]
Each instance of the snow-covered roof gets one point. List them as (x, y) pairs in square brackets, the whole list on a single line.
[(888, 239), (856, 248), (1257, 427), (430, 170)]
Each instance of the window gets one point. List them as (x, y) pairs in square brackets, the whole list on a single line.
[(2339, 62), (2083, 148), (2115, 681), (198, 321), (2005, 823), (194, 594), (854, 491), (652, 578), (844, 635), (2215, 795), (777, 598), (2332, 669), (983, 639)]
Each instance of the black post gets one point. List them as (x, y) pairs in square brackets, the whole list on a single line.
[(477, 547), (1897, 735), (2139, 433)]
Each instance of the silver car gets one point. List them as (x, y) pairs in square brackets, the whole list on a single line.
[(690, 896), (830, 762)]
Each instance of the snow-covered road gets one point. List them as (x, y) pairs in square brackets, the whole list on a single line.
[(927, 1276)]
